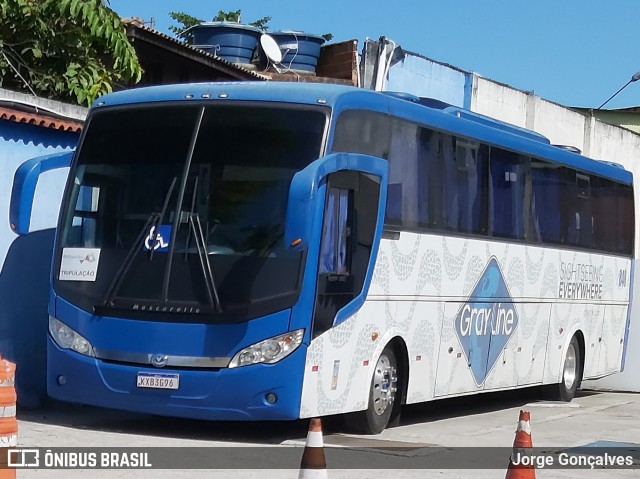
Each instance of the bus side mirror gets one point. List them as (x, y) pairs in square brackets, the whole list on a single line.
[(300, 213), (25, 181)]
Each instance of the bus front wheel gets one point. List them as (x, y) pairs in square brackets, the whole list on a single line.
[(383, 393)]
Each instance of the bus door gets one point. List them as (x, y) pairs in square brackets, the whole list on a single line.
[(336, 211), (348, 229)]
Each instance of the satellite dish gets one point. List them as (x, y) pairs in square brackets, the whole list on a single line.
[(271, 48)]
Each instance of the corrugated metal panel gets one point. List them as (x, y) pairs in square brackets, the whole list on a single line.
[(135, 30)]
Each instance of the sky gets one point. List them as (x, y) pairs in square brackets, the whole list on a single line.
[(573, 52)]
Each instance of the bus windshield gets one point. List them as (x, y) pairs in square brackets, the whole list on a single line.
[(183, 210)]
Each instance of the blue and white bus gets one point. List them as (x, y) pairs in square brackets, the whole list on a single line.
[(280, 251)]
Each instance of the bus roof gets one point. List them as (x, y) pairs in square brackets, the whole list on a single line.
[(288, 92), (340, 97)]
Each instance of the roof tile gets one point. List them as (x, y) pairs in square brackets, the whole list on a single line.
[(39, 119)]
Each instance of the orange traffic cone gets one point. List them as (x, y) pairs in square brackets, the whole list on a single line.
[(520, 444), (8, 423), (313, 464)]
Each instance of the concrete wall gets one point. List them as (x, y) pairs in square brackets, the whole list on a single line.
[(499, 101), (25, 261), (425, 78), (563, 126)]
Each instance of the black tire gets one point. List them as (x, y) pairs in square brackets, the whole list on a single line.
[(383, 393), (566, 389)]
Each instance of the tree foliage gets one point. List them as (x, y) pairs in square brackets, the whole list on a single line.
[(66, 49), (185, 22)]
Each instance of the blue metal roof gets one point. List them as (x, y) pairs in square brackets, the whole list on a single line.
[(340, 97)]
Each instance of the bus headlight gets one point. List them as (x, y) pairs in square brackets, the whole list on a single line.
[(67, 338), (268, 351)]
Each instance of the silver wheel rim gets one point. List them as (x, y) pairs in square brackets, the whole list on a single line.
[(570, 367), (383, 387)]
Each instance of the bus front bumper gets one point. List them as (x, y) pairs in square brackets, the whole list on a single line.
[(245, 393)]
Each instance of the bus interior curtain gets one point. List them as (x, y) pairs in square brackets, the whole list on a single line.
[(333, 257)]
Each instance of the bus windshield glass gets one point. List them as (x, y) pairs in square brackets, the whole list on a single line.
[(182, 210)]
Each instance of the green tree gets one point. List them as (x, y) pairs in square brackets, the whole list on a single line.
[(230, 16), (73, 50), (185, 22)]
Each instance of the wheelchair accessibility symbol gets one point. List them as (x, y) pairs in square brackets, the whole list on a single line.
[(158, 241)]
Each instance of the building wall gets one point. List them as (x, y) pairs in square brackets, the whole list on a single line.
[(499, 101), (628, 120), (25, 261), (561, 125), (425, 78)]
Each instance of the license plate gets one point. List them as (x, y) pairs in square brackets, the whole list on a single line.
[(158, 381)]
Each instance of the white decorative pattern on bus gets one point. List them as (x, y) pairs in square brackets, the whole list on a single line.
[(418, 285)]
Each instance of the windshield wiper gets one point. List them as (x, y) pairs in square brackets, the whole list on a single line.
[(152, 224), (201, 246), (178, 216)]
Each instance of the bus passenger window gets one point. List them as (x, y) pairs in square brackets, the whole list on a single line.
[(404, 193), (465, 166), (507, 179), (428, 170), (580, 217), (546, 188), (608, 215), (364, 132), (626, 221)]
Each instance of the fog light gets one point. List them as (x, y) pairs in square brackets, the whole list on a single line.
[(271, 398), (62, 380)]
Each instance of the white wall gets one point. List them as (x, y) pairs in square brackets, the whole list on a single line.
[(499, 101)]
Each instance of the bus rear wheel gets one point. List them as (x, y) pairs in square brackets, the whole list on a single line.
[(383, 393), (566, 389)]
